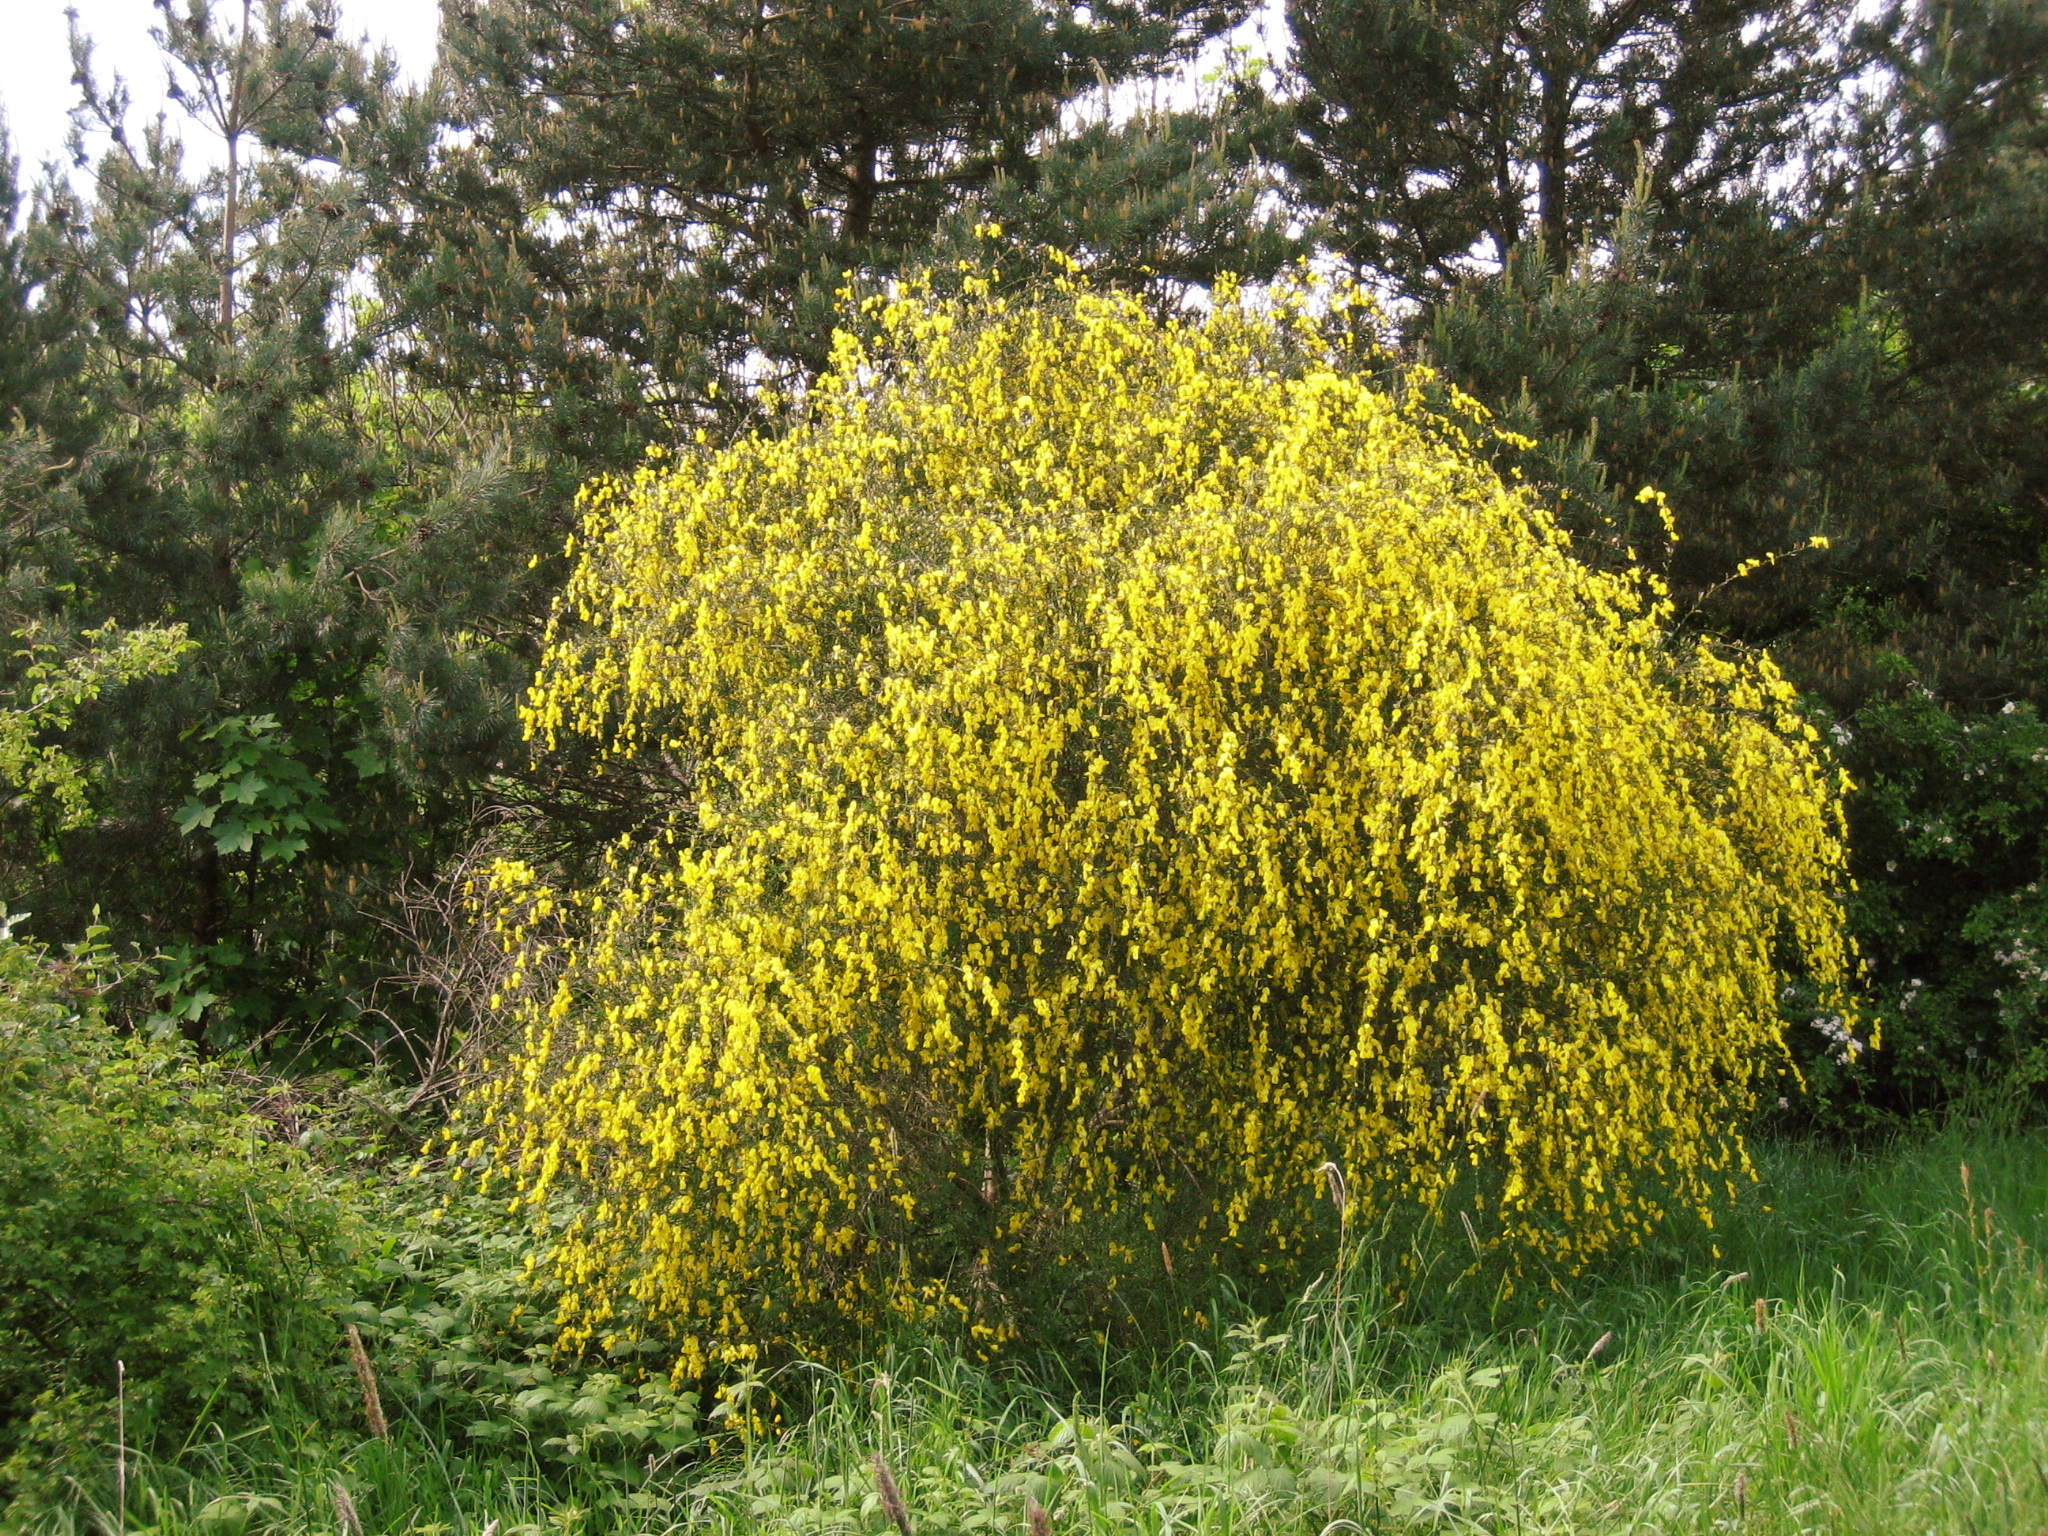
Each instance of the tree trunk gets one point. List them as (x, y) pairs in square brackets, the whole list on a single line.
[(231, 130), (1553, 147)]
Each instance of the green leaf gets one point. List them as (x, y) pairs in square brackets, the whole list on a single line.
[(245, 789), (233, 836), (189, 1007)]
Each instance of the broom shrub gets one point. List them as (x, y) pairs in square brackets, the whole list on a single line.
[(1131, 762)]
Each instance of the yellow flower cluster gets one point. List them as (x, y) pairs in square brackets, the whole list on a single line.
[(1133, 763)]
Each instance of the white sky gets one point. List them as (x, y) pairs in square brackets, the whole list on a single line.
[(35, 62)]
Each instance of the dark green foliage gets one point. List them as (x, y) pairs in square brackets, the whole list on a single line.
[(1436, 137), (1162, 201), (168, 1252), (145, 1217), (259, 798), (355, 558), (1953, 164), (654, 208), (40, 352), (462, 1328), (327, 405), (1937, 656), (1951, 836)]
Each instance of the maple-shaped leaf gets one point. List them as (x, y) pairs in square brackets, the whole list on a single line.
[(286, 848)]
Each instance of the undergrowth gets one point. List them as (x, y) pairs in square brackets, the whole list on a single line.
[(1869, 1355)]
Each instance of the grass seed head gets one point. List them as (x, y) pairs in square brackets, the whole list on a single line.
[(891, 1496)]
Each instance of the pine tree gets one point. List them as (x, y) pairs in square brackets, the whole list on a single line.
[(38, 332), (652, 209), (1939, 662), (351, 557), (39, 355), (1955, 176), (1436, 138)]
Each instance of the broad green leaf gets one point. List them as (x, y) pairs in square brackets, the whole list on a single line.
[(245, 789)]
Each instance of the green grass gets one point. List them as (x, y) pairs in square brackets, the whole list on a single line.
[(1868, 1355)]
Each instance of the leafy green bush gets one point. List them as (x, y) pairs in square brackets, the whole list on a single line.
[(1950, 850), (146, 1218)]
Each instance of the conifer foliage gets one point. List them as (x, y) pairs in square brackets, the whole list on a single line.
[(1433, 133), (1855, 348), (209, 439), (1137, 762), (652, 205)]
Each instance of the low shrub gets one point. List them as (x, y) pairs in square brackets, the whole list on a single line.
[(148, 1219)]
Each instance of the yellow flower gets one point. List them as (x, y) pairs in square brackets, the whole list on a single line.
[(1106, 811)]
